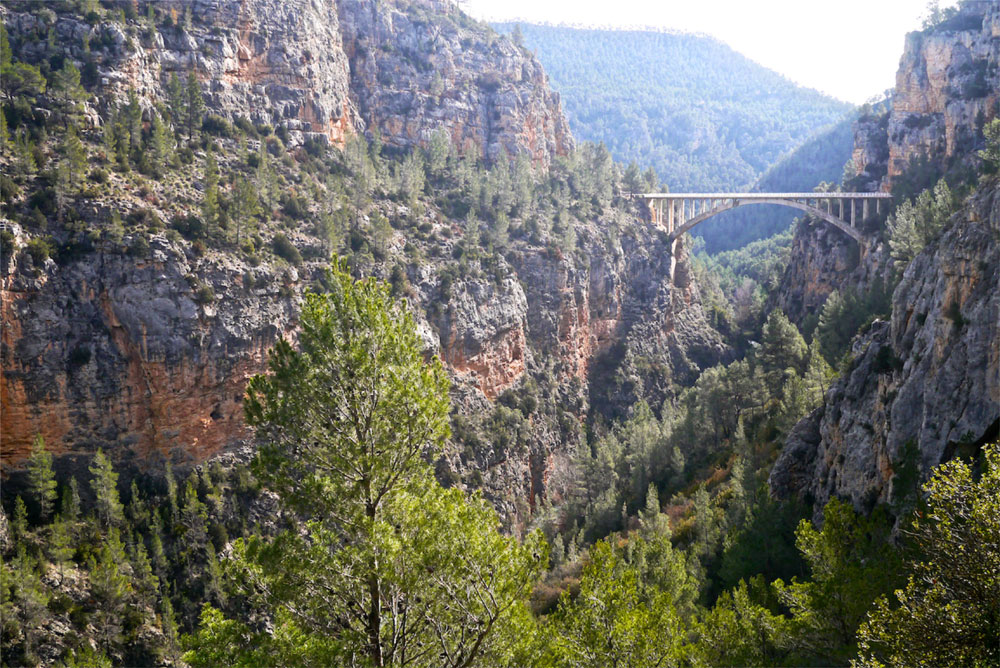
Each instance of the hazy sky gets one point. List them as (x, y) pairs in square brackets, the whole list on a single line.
[(846, 48)]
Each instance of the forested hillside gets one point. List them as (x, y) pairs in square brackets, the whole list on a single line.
[(703, 116), (820, 159), (371, 367)]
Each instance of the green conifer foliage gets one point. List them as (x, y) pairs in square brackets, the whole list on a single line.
[(41, 479), (347, 421), (194, 105), (104, 484), (947, 614)]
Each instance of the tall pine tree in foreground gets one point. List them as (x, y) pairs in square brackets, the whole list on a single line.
[(386, 567)]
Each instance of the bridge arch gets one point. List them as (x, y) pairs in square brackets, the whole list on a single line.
[(737, 202)]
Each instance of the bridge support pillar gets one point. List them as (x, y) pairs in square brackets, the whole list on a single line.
[(864, 209), (854, 212)]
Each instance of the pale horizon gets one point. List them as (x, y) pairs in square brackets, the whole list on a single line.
[(772, 33)]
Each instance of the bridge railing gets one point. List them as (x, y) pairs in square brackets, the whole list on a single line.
[(679, 212)]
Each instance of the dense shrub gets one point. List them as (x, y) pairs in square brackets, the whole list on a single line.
[(40, 250), (191, 227), (285, 249), (217, 125)]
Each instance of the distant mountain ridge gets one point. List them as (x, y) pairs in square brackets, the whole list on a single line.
[(704, 116), (820, 158)]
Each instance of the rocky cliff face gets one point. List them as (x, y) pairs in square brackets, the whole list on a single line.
[(823, 259), (270, 61), (929, 378), (122, 353), (147, 356), (323, 69), (573, 326), (417, 67), (146, 352), (947, 88)]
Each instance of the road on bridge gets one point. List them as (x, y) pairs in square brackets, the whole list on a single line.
[(685, 210)]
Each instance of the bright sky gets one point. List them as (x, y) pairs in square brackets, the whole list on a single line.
[(846, 48)]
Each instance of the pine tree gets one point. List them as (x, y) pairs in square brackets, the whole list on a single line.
[(195, 106), (145, 583), (558, 553), (782, 351), (133, 122), (905, 240), (27, 605), (69, 506), (654, 522), (112, 589), (6, 55), (60, 545), (24, 152), (122, 140), (19, 523), (517, 36), (41, 479), (105, 486), (70, 93), (265, 179), (437, 153), (108, 138), (156, 551), (160, 143), (947, 612), (168, 624), (176, 103), (347, 445), (74, 159), (171, 491), (245, 208), (818, 374), (991, 154), (138, 511), (4, 132)]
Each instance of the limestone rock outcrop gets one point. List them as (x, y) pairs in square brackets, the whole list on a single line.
[(930, 377), (926, 385), (947, 88), (417, 67), (277, 62), (130, 355), (324, 69)]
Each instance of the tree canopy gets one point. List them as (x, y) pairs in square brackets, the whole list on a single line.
[(386, 567)]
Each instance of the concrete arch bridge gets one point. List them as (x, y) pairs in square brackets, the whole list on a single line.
[(679, 212)]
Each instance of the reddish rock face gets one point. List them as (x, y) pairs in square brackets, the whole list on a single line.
[(117, 354), (498, 364)]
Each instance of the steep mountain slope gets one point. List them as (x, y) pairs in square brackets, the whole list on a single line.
[(925, 385), (133, 310), (702, 115), (947, 88), (420, 66), (929, 378)]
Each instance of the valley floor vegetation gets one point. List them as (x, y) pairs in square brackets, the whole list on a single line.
[(337, 546)]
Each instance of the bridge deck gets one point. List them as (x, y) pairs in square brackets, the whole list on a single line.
[(813, 195)]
